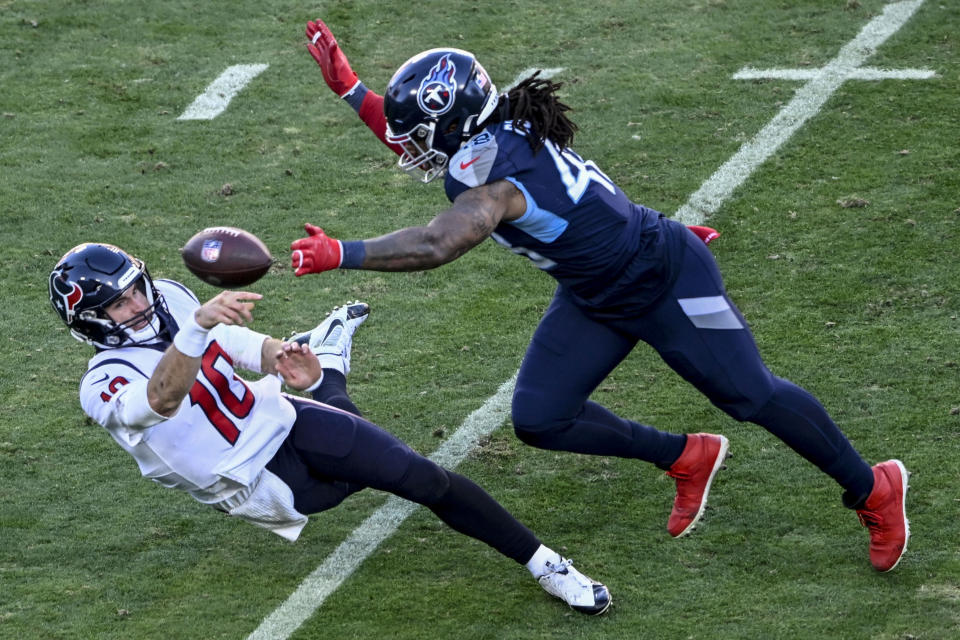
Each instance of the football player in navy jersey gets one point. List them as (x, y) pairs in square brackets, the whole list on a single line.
[(626, 273), (163, 382)]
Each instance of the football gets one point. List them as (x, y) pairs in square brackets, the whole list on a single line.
[(226, 257)]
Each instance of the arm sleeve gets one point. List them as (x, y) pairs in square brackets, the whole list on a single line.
[(369, 106)]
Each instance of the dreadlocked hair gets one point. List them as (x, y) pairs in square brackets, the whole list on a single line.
[(534, 101)]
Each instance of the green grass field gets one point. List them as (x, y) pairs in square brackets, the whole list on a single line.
[(857, 303)]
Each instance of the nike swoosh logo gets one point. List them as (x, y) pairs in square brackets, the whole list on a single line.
[(103, 379), (464, 165)]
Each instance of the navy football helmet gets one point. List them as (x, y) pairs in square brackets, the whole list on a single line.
[(88, 279), (433, 104)]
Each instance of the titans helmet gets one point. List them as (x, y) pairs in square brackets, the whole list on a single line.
[(90, 277), (434, 103)]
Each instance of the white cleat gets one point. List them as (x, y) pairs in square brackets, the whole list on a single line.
[(577, 590), (332, 339)]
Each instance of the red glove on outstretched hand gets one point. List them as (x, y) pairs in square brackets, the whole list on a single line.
[(316, 253), (325, 50), (706, 234)]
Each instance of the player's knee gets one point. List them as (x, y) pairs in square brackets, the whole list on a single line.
[(536, 423), (783, 393), (746, 406), (743, 396), (423, 482)]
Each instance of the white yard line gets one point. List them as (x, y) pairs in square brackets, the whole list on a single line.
[(221, 91), (544, 73), (345, 559), (806, 103), (861, 73)]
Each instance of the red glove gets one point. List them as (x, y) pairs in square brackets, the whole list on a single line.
[(316, 253), (706, 234), (325, 50)]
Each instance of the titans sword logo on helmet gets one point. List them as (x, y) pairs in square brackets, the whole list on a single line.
[(438, 91)]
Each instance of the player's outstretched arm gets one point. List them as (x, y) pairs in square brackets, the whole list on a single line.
[(470, 220), (177, 370), (343, 81)]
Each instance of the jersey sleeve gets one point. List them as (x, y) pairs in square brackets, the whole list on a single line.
[(244, 345), (114, 393), (495, 153)]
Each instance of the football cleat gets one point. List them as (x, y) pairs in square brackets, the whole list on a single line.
[(694, 471), (577, 590), (884, 514), (332, 339)]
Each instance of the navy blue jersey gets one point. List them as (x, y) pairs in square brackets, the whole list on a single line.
[(607, 252)]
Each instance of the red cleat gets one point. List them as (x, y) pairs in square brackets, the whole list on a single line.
[(885, 515), (707, 234), (694, 471)]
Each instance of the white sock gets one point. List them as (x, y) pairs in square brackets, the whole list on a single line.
[(332, 362), (537, 565)]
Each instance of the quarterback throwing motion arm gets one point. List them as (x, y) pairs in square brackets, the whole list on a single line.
[(178, 368)]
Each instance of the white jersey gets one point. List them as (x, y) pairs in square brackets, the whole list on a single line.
[(224, 433)]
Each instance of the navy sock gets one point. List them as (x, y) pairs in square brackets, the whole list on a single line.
[(333, 391)]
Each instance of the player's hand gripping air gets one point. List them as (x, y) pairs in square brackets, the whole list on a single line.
[(333, 63), (316, 253), (227, 307)]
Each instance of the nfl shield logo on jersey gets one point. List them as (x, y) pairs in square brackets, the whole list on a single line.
[(439, 89), (210, 252)]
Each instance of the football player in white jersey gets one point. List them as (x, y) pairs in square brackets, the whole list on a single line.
[(163, 383)]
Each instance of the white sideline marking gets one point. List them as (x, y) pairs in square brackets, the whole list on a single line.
[(808, 100), (221, 91), (344, 560)]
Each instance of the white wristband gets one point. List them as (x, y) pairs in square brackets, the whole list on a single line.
[(315, 384), (191, 339)]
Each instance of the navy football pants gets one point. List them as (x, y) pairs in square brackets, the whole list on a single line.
[(701, 334), (331, 453)]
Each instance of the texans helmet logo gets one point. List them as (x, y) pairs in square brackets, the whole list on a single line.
[(439, 89), (70, 295)]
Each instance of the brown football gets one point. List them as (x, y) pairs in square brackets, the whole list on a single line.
[(226, 257)]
